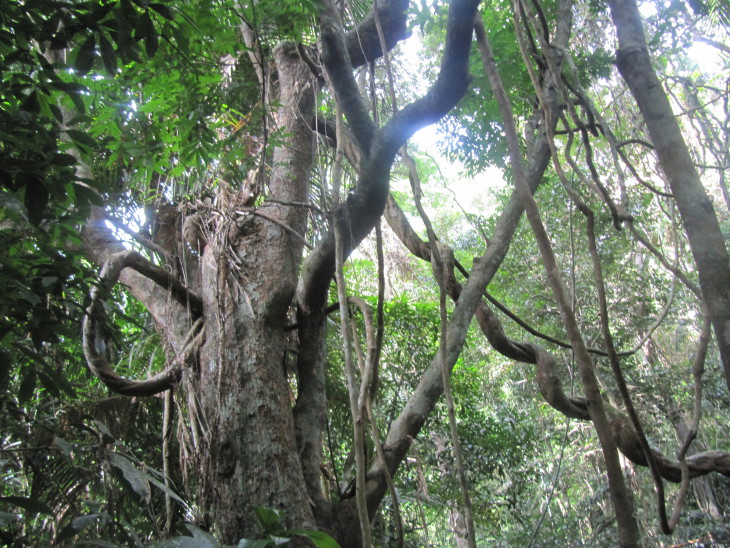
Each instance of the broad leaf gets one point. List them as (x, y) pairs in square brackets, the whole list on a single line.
[(32, 505), (136, 479)]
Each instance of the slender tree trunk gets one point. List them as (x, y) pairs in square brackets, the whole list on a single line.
[(703, 486), (695, 207)]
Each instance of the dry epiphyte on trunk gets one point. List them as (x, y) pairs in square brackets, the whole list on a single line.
[(165, 227), (193, 233)]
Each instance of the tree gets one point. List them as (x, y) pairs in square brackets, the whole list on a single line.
[(236, 185)]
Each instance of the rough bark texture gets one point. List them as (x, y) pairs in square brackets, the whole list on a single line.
[(249, 456), (257, 450), (695, 207)]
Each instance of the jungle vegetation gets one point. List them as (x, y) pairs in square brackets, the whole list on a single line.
[(243, 301)]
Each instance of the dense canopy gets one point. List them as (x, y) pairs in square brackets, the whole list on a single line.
[(247, 298)]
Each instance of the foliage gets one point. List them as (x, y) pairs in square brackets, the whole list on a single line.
[(133, 105)]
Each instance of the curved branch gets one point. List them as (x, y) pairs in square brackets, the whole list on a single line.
[(342, 53), (136, 236), (363, 42), (420, 404), (698, 369), (628, 532), (450, 84), (94, 343), (326, 128), (336, 59), (163, 278), (550, 385), (626, 438), (365, 205), (421, 249)]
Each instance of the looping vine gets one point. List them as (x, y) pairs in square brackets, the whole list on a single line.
[(95, 343)]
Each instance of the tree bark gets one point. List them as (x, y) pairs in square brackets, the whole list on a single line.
[(259, 443), (250, 457)]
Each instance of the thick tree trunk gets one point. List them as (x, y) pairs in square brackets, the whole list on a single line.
[(250, 457), (254, 447)]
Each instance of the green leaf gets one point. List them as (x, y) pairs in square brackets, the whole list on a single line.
[(269, 519), (86, 196), (4, 367), (172, 494), (68, 87), (108, 55), (85, 56), (49, 384), (80, 524), (31, 103), (27, 385), (78, 102), (162, 10), (36, 199), (200, 534), (63, 160), (81, 138), (151, 42), (65, 447), (57, 113), (128, 9), (34, 506), (106, 434), (319, 538), (136, 479)]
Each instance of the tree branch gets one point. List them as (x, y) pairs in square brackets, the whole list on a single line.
[(95, 344), (420, 404), (366, 203), (450, 84), (339, 71), (363, 42), (698, 215)]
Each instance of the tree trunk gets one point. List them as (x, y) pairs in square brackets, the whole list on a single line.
[(695, 207), (254, 445), (249, 457), (249, 272), (257, 440)]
